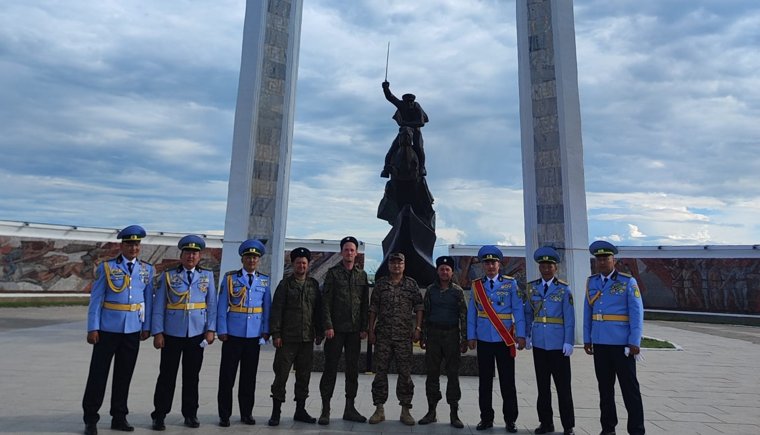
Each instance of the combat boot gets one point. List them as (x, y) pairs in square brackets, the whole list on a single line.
[(301, 414), (274, 420), (430, 416), (406, 417), (324, 417), (378, 416), (351, 414), (455, 421)]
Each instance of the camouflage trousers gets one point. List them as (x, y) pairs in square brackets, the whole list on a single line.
[(351, 342), (442, 345), (386, 350), (299, 354)]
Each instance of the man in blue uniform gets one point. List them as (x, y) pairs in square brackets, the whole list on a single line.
[(551, 330), (242, 322), (184, 321), (496, 325), (613, 320), (117, 319)]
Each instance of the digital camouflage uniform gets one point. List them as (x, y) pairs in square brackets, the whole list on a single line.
[(444, 329), (295, 318), (345, 300), (394, 306)]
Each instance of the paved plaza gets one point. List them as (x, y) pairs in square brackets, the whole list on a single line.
[(711, 385)]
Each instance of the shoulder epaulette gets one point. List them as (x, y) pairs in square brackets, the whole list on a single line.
[(507, 277), (146, 263), (262, 275), (232, 272), (117, 259), (627, 275), (535, 281), (562, 282)]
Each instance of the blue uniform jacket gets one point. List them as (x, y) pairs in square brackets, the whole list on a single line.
[(620, 297), (186, 321), (556, 317), (244, 324), (114, 285), (506, 298)]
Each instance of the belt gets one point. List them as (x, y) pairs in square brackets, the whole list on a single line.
[(442, 326), (609, 317), (121, 307), (191, 306), (246, 310), (507, 316), (555, 320)]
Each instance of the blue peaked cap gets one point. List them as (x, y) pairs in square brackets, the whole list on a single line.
[(132, 232), (251, 246), (490, 252), (602, 247), (546, 254), (193, 242)]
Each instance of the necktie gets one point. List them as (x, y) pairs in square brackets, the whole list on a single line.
[(491, 281), (250, 279), (189, 276), (546, 288), (604, 281), (130, 266)]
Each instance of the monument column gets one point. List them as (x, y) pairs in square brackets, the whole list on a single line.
[(263, 133), (552, 150)]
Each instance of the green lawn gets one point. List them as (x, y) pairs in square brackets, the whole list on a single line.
[(651, 343)]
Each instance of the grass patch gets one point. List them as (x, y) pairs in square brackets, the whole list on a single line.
[(651, 343), (43, 303)]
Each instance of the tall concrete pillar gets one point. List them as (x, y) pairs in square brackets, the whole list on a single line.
[(262, 140), (552, 150)]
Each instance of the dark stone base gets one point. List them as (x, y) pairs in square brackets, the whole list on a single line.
[(467, 367)]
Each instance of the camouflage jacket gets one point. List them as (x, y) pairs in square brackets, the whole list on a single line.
[(296, 312), (345, 299), (394, 306), (452, 306)]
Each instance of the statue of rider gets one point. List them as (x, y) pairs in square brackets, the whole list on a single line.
[(409, 113)]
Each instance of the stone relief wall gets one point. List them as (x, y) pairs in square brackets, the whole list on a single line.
[(45, 265)]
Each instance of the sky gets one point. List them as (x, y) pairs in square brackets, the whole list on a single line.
[(121, 112)]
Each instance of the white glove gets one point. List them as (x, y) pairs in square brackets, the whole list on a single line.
[(262, 341), (639, 357), (203, 344), (142, 312), (529, 344), (567, 349)]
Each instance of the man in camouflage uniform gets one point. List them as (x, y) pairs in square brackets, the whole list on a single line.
[(345, 300), (444, 337), (294, 323), (394, 298)]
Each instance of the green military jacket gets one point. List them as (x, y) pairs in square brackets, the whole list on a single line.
[(345, 299), (296, 311)]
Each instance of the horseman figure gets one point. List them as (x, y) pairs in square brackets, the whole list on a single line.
[(411, 118)]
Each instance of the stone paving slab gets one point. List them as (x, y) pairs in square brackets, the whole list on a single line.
[(711, 386)]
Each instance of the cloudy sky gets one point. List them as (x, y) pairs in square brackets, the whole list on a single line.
[(116, 112)]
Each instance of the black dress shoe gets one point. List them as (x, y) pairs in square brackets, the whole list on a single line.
[(249, 420), (158, 423), (511, 427), (192, 422), (122, 425), (568, 432), (544, 428), (483, 425), (224, 422), (91, 429)]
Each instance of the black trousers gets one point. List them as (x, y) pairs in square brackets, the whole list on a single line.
[(611, 362), (442, 345), (351, 342), (123, 349), (505, 364), (187, 349), (244, 352), (553, 364)]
